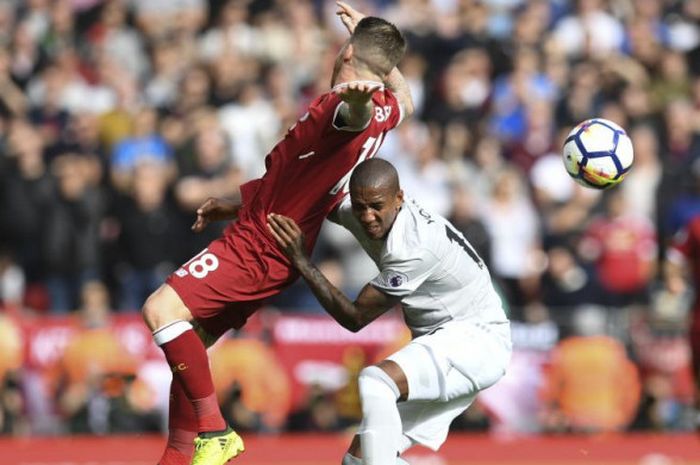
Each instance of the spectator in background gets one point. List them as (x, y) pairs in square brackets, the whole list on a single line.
[(510, 218), (621, 244), (566, 283), (252, 125), (26, 195), (70, 237), (113, 36), (151, 235), (590, 31), (424, 172), (144, 144), (205, 167)]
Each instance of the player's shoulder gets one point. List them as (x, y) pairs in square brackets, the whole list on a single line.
[(327, 101), (421, 222), (413, 233)]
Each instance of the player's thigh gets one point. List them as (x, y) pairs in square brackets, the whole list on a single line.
[(479, 351)]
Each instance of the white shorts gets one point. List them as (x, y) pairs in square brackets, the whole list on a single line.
[(445, 370)]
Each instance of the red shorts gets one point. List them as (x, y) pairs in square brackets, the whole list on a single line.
[(229, 280)]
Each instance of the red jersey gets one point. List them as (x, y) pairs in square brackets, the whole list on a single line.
[(307, 175), (309, 170)]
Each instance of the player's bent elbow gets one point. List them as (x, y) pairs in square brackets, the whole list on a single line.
[(354, 324)]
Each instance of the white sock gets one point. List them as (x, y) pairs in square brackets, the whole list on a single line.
[(171, 331), (381, 424)]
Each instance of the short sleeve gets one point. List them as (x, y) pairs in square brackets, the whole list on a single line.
[(401, 277), (395, 112)]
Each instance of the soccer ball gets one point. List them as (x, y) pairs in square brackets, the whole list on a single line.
[(598, 153)]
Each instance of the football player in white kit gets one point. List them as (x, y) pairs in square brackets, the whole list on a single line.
[(461, 335)]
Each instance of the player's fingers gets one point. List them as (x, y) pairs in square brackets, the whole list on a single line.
[(274, 234), (296, 229), (277, 233), (276, 222), (347, 8), (287, 225), (199, 224), (206, 206), (368, 88)]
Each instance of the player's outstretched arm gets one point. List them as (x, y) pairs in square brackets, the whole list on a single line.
[(398, 85), (214, 209), (353, 316)]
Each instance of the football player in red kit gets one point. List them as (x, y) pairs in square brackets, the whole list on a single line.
[(682, 267), (306, 175)]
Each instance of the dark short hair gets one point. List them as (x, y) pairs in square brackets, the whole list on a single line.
[(375, 172), (378, 43)]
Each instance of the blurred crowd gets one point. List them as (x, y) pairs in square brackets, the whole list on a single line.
[(119, 117)]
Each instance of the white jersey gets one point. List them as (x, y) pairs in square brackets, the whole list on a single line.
[(431, 266)]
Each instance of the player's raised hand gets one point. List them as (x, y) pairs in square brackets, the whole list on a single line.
[(348, 15), (357, 93), (214, 209), (288, 236)]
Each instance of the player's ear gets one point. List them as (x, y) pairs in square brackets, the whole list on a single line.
[(349, 52), (399, 199)]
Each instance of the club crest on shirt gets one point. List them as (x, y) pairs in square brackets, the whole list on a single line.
[(395, 279)]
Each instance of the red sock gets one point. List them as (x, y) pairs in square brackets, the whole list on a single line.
[(182, 428), (188, 360), (174, 457)]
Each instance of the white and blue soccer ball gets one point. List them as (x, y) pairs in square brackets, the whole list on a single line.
[(598, 153)]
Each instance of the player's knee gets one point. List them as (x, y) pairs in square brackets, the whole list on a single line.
[(375, 382), (162, 307), (150, 311)]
